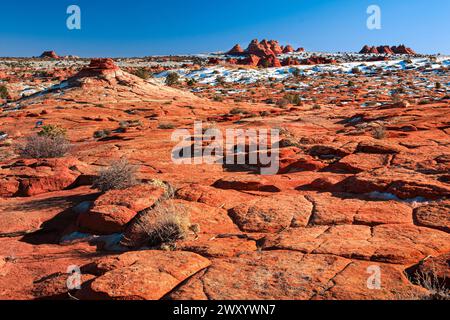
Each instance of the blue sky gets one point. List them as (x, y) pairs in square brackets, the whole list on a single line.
[(139, 27)]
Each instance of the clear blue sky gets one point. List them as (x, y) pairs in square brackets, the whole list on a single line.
[(139, 27)]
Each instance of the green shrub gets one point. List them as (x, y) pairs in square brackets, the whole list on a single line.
[(237, 111), (296, 73), (220, 80), (191, 82), (99, 134), (218, 98), (356, 70), (293, 99), (4, 92), (172, 78), (142, 73), (52, 131), (166, 126)]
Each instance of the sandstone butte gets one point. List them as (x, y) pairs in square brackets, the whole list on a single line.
[(401, 49), (343, 201)]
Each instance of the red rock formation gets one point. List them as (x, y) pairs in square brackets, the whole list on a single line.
[(401, 49), (103, 64), (290, 62), (97, 67), (300, 50), (384, 50), (214, 61), (266, 52), (288, 49), (275, 47), (270, 61), (258, 49), (236, 50), (317, 60), (251, 60), (49, 54), (365, 50)]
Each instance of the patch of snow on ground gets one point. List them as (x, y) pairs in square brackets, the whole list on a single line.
[(210, 75)]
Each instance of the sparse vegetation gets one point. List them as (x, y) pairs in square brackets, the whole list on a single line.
[(191, 82), (4, 94), (166, 126), (43, 146), (220, 80), (294, 99), (296, 73), (169, 190), (379, 133), (218, 98), (424, 101), (99, 134), (119, 175), (172, 78), (171, 224), (130, 123), (237, 111), (52, 131), (429, 280), (282, 103), (356, 70), (142, 73), (50, 142)]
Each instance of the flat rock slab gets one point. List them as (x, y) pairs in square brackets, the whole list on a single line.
[(330, 210), (436, 215), (135, 198), (405, 184), (25, 215), (214, 197), (218, 246), (287, 275), (25, 266), (396, 244), (142, 275), (246, 183), (272, 214)]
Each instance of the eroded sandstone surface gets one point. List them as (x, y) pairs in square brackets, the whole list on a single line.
[(364, 183)]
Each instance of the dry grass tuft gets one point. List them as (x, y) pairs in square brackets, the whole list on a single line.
[(119, 175)]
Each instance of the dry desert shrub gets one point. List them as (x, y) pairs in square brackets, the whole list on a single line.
[(43, 146), (169, 190), (4, 92), (166, 126), (52, 131), (142, 73), (282, 103), (119, 175), (170, 225), (379, 133), (436, 287), (160, 226), (172, 78)]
